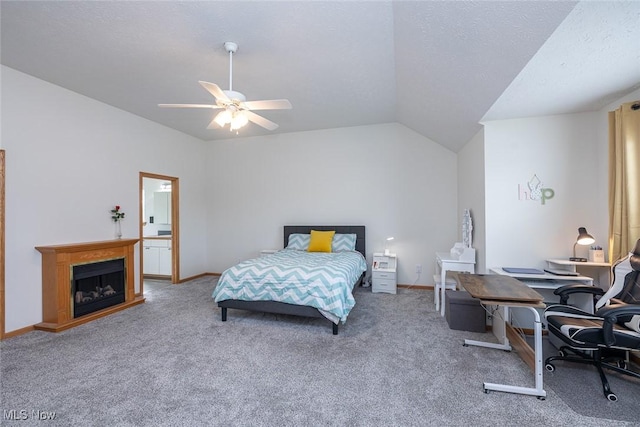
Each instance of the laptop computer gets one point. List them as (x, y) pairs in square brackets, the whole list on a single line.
[(561, 272)]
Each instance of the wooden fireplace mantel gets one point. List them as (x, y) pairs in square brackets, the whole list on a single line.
[(57, 264)]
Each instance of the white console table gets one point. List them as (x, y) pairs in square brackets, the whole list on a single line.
[(447, 262)]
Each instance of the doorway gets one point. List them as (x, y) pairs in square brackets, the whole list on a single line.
[(159, 227)]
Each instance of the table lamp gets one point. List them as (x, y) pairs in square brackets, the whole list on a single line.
[(386, 248), (584, 238)]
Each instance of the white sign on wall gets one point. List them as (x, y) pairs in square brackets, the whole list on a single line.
[(535, 190)]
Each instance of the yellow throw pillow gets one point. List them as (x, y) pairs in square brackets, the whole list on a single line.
[(320, 241)]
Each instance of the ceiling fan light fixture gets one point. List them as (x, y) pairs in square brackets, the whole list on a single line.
[(223, 117), (239, 120)]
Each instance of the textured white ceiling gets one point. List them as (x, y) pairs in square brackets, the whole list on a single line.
[(436, 67), (591, 60)]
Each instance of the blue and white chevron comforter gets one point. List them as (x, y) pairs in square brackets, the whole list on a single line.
[(316, 279)]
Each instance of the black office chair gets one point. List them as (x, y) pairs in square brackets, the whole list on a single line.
[(604, 338)]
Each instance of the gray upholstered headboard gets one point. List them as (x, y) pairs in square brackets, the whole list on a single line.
[(358, 230)]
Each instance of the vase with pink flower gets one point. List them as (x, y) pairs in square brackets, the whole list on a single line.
[(117, 215)]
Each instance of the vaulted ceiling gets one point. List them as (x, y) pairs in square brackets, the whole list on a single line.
[(437, 67)]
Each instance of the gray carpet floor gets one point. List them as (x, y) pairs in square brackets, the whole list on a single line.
[(172, 362), (572, 382)]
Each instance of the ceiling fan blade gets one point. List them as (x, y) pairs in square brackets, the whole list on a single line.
[(271, 104), (260, 121), (189, 106), (214, 90)]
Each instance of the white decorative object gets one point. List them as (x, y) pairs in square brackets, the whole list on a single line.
[(467, 228)]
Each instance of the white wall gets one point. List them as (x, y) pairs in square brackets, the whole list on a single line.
[(471, 193), (386, 177), (69, 160), (563, 151)]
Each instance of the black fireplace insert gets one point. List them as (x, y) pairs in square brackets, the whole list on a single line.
[(97, 286)]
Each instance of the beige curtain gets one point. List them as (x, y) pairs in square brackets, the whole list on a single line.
[(624, 179)]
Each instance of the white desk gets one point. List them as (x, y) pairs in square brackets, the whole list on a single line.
[(547, 283), (447, 262), (545, 280), (600, 272)]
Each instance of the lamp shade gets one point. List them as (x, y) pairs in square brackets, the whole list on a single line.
[(584, 238), (223, 118), (386, 247), (239, 120)]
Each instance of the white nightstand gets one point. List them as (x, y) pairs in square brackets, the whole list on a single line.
[(383, 273)]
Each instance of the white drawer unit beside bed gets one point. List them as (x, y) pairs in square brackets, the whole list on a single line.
[(383, 273)]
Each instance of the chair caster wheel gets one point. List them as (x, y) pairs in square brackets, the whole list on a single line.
[(562, 353), (465, 344), (622, 364), (549, 367), (612, 397), (485, 390), (542, 398)]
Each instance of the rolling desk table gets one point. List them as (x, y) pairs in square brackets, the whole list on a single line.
[(493, 289)]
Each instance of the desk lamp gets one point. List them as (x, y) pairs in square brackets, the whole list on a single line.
[(584, 238), (386, 248)]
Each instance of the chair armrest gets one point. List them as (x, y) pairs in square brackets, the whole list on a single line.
[(621, 309), (565, 291), (610, 315)]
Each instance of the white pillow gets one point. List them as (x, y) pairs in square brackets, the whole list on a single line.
[(343, 242), (299, 241)]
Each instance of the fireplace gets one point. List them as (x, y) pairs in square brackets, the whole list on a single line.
[(85, 281), (97, 285)]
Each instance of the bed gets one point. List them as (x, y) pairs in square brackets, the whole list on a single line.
[(273, 283)]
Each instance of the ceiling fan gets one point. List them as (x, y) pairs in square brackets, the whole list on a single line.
[(236, 110)]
